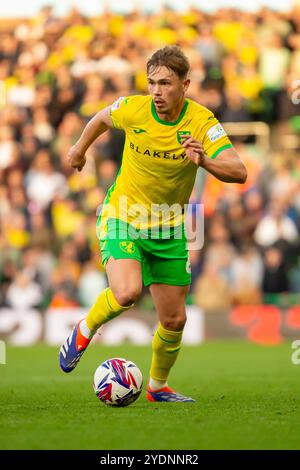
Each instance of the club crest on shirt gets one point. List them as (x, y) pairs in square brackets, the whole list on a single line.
[(182, 136)]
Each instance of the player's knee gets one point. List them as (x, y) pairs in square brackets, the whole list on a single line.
[(127, 295), (175, 323)]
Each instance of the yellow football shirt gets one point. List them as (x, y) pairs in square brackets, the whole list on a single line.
[(156, 177)]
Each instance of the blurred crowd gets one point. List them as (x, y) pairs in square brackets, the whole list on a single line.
[(56, 73)]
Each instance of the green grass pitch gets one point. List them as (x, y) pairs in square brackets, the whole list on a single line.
[(247, 398)]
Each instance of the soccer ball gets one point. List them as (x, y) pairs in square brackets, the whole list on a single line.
[(118, 382)]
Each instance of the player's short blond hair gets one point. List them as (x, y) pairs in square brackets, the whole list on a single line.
[(171, 57)]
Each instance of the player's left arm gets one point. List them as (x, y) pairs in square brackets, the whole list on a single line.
[(227, 166)]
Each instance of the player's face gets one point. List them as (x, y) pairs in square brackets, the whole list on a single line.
[(166, 89)]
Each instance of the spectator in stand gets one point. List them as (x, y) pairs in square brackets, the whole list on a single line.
[(275, 279), (276, 227), (43, 183), (9, 149), (219, 251), (91, 282), (247, 273), (23, 293), (235, 109), (212, 291)]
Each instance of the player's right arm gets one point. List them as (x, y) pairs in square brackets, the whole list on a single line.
[(94, 128)]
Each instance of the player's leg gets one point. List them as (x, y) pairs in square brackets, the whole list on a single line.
[(125, 284), (122, 260), (166, 269), (169, 301)]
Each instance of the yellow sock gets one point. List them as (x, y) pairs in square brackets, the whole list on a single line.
[(104, 309), (166, 345)]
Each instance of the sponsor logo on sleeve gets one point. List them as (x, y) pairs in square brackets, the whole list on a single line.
[(117, 103), (215, 132)]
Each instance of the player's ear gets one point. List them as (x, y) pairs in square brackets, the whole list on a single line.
[(186, 83)]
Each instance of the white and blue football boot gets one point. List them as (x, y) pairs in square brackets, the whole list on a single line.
[(72, 349)]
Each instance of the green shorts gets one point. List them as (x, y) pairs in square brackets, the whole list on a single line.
[(164, 257)]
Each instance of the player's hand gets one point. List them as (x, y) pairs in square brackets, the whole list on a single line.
[(76, 158), (194, 150)]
